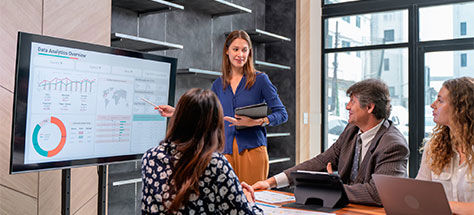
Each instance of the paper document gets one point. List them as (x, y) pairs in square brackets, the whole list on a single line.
[(271, 210), (273, 197)]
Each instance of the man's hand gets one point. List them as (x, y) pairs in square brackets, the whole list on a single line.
[(248, 191), (265, 185), (329, 168), (165, 110)]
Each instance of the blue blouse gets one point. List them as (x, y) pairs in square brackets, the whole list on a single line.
[(220, 191), (262, 91)]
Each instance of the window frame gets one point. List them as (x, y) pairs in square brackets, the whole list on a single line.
[(416, 53)]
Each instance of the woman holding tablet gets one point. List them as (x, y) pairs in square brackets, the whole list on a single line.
[(241, 85)]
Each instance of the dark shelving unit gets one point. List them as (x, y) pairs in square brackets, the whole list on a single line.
[(141, 44), (214, 7), (147, 6)]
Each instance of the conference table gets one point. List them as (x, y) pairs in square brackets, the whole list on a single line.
[(350, 209)]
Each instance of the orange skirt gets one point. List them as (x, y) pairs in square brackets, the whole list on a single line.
[(251, 165)]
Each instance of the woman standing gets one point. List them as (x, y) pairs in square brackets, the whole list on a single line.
[(448, 156), (241, 85), (185, 173)]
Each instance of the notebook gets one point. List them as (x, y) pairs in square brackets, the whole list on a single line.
[(410, 196)]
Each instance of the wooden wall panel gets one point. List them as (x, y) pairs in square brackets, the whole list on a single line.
[(15, 16), (13, 202), (302, 79), (89, 207), (49, 196), (84, 187), (26, 182), (85, 20), (18, 193), (308, 79)]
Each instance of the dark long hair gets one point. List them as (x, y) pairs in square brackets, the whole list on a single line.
[(197, 128), (249, 68)]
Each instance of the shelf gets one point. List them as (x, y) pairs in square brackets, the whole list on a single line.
[(215, 7), (261, 36), (124, 182), (265, 66), (199, 72), (278, 160), (141, 44), (278, 135), (147, 6)]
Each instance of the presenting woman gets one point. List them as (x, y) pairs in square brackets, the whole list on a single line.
[(448, 156), (241, 85), (185, 173)]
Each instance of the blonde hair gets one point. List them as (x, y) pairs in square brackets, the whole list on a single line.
[(444, 140), (249, 68)]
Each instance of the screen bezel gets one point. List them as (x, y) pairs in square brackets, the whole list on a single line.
[(20, 100)]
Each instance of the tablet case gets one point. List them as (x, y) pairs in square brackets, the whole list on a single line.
[(253, 111), (318, 191)]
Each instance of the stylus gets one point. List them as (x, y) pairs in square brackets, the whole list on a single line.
[(146, 100)]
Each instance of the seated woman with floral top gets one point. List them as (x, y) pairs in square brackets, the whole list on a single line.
[(185, 173)]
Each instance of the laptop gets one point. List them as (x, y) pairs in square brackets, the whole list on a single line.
[(410, 196)]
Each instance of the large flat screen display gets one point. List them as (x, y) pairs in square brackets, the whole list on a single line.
[(81, 104)]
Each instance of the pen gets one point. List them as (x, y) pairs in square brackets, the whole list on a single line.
[(146, 100)]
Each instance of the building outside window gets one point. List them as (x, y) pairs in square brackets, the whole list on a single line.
[(463, 28), (388, 35), (390, 49), (463, 60), (386, 64)]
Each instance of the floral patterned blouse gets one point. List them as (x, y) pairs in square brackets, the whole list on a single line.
[(220, 191)]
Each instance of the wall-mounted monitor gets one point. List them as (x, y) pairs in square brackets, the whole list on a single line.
[(78, 104)]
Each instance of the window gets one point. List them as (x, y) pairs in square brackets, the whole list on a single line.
[(391, 90), (329, 41), (346, 44), (441, 22), (463, 28), (427, 54), (463, 60), (347, 19), (388, 35), (350, 70), (371, 28), (386, 64)]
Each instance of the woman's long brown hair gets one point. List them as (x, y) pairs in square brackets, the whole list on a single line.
[(444, 140), (197, 128), (249, 68)]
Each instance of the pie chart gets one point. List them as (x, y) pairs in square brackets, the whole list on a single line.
[(54, 121)]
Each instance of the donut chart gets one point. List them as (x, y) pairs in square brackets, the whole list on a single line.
[(55, 151)]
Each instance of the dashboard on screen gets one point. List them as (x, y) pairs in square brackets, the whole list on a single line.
[(83, 104)]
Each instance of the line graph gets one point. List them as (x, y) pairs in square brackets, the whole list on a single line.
[(67, 85)]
